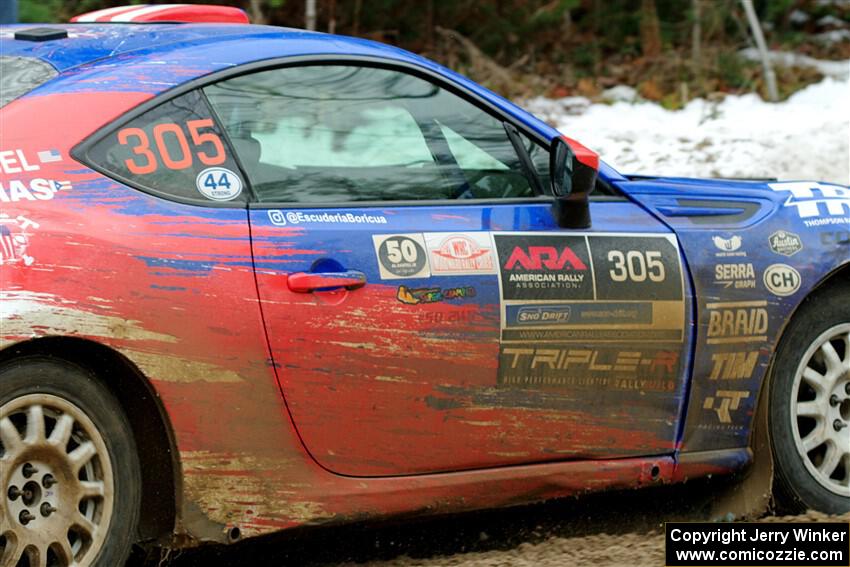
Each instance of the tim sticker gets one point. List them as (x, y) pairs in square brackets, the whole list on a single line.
[(218, 184), (401, 256)]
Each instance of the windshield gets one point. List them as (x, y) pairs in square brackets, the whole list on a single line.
[(20, 75)]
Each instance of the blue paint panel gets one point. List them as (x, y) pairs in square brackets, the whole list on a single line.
[(729, 258)]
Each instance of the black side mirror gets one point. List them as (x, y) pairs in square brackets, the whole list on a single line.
[(572, 182)]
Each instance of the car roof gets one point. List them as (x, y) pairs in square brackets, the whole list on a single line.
[(154, 58), (88, 43)]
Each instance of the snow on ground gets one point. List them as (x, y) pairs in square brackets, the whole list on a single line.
[(804, 137)]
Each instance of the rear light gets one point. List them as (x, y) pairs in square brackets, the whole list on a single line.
[(182, 13)]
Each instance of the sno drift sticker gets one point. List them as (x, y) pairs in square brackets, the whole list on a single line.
[(544, 267), (585, 313)]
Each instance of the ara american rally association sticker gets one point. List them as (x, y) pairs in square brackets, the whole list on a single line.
[(218, 184)]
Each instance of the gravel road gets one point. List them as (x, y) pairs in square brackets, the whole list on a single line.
[(610, 529)]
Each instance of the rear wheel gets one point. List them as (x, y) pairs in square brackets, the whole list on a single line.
[(810, 408), (68, 467)]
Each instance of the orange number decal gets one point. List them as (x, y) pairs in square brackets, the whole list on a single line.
[(159, 132), (199, 139), (143, 149)]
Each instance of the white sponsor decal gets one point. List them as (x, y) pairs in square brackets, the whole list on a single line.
[(218, 184), (15, 161), (461, 253), (728, 247), (785, 243), (739, 276), (37, 189), (820, 203), (14, 239), (401, 256), (782, 280), (281, 218)]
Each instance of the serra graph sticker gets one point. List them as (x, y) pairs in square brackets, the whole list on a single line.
[(218, 184)]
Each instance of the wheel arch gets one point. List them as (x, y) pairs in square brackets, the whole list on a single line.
[(760, 436), (161, 470)]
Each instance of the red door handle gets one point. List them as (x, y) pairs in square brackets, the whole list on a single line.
[(307, 282)]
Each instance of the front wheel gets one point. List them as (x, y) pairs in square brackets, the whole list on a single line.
[(68, 467), (810, 407)]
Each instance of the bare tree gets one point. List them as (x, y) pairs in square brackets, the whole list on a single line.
[(256, 10), (650, 29), (769, 76), (310, 15), (696, 38)]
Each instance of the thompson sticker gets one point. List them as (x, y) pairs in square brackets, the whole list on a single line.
[(218, 184)]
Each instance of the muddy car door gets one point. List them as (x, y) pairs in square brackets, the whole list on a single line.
[(424, 311)]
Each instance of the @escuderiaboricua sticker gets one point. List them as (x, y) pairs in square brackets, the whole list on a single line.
[(219, 184)]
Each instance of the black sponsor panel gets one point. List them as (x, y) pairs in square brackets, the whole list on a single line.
[(615, 367), (538, 267), (762, 544), (636, 268)]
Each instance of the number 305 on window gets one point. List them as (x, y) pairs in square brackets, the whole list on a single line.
[(170, 148)]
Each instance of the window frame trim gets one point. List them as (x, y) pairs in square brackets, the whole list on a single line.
[(81, 150)]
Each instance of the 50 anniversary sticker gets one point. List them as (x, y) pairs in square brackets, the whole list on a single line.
[(401, 256)]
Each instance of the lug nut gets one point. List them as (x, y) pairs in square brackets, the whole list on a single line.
[(833, 400), (29, 470), (46, 509), (838, 425), (13, 493), (48, 481), (25, 517)]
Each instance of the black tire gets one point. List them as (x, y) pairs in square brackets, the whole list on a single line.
[(79, 387), (796, 486)]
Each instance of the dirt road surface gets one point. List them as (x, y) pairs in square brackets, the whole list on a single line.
[(611, 529)]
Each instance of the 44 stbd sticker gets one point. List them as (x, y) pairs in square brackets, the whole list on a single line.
[(218, 184), (401, 256)]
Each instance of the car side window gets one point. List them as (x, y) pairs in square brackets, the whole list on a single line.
[(175, 150), (336, 133)]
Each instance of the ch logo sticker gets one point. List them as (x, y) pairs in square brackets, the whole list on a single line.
[(724, 402)]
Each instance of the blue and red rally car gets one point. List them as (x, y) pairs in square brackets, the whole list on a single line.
[(254, 278)]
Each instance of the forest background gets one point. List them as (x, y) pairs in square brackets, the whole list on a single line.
[(671, 51)]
